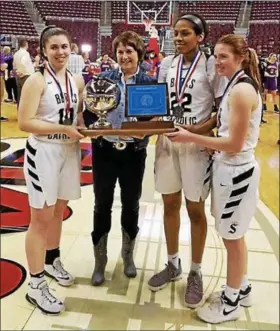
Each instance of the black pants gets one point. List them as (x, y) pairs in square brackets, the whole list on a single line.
[(11, 88), (110, 164)]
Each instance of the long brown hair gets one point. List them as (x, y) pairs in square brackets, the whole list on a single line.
[(240, 48)]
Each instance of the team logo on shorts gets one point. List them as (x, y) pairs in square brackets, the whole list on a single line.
[(233, 228)]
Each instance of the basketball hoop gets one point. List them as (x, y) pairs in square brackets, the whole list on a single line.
[(148, 23)]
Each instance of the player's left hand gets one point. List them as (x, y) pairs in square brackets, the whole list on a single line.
[(81, 127), (180, 136)]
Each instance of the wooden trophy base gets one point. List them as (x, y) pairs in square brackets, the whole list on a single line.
[(132, 129)]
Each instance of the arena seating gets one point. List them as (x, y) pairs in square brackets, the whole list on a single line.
[(135, 15), (106, 45), (216, 30), (264, 36), (265, 10), (15, 19), (82, 19), (81, 32), (77, 9), (225, 11), (117, 28), (119, 11)]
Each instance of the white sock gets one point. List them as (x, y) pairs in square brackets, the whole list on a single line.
[(231, 293), (196, 267), (245, 283), (174, 259), (35, 281)]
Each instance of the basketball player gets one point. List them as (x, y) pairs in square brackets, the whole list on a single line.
[(235, 171), (270, 83), (50, 110), (193, 87)]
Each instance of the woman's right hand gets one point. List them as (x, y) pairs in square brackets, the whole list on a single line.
[(73, 132)]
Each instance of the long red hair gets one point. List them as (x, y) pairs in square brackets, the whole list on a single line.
[(250, 62)]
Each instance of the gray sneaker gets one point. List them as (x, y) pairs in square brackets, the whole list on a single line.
[(194, 290), (167, 275)]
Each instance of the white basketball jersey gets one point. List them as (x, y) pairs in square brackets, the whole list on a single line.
[(202, 88), (247, 153), (52, 107)]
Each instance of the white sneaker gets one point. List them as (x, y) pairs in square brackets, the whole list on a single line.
[(245, 297), (57, 272), (41, 297), (220, 310)]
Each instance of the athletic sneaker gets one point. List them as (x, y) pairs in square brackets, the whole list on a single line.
[(41, 297), (167, 275), (245, 297), (276, 109), (220, 310), (194, 290), (57, 271)]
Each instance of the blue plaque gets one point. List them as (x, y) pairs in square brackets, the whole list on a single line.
[(147, 100)]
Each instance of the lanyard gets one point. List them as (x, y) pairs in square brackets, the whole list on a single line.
[(68, 82), (230, 84), (180, 86)]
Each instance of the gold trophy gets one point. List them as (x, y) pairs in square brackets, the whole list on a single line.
[(101, 95)]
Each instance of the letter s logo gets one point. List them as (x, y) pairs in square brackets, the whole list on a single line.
[(233, 228)]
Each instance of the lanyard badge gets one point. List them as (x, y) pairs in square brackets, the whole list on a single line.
[(182, 84), (230, 84), (64, 97)]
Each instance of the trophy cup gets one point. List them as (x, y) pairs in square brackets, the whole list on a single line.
[(101, 95)]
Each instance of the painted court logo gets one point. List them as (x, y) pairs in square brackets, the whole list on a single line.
[(14, 207)]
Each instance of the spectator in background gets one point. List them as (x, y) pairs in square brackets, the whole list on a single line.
[(10, 80), (106, 63), (22, 65), (167, 33), (85, 72), (161, 56), (278, 79), (147, 64), (153, 33), (76, 62), (270, 84), (160, 34), (85, 56), (39, 60), (3, 67)]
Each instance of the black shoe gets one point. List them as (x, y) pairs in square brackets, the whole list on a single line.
[(3, 119), (263, 121), (276, 109)]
